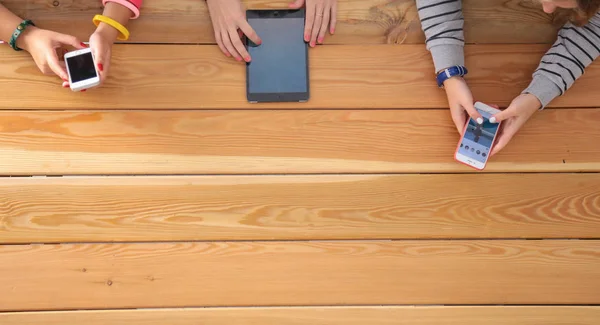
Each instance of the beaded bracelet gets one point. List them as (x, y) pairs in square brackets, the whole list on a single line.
[(115, 24), (20, 29)]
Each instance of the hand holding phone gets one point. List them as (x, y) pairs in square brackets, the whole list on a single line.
[(81, 68), (477, 140)]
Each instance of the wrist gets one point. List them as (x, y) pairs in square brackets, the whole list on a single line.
[(107, 32), (453, 81), (26, 38), (448, 73)]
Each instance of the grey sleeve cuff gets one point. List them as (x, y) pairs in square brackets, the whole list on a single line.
[(446, 55), (544, 89)]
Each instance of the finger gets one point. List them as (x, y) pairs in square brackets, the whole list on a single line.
[(507, 113), (65, 84), (297, 4), (56, 67), (104, 67), (316, 26), (239, 46), (504, 137), (500, 144), (333, 17), (219, 41), (249, 32), (473, 113), (101, 58), (229, 46), (459, 118), (308, 24), (324, 23), (69, 40)]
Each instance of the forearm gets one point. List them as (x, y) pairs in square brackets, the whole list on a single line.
[(574, 50), (118, 13), (8, 23), (442, 22)]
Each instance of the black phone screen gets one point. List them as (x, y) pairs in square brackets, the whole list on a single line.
[(81, 67), (280, 64)]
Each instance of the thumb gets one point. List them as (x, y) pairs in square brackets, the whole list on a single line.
[(296, 4), (56, 67), (507, 113)]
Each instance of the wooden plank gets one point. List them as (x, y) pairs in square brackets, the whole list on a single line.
[(359, 21), (279, 142), (105, 209), (500, 315), (93, 276), (194, 77)]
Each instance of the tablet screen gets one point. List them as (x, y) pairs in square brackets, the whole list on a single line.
[(279, 63)]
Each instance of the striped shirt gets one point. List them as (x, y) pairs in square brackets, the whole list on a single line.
[(574, 50)]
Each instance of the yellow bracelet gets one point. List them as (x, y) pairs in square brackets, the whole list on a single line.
[(115, 24)]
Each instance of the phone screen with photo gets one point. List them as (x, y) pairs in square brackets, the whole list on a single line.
[(81, 67), (478, 139)]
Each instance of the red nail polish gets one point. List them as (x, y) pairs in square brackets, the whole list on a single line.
[(83, 44), (247, 59), (238, 58), (84, 90), (100, 67), (306, 37), (320, 39), (65, 86)]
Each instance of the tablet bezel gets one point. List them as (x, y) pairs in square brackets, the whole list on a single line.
[(277, 97)]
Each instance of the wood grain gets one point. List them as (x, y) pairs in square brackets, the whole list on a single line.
[(105, 209), (345, 76), (279, 142), (92, 276), (359, 21), (500, 315)]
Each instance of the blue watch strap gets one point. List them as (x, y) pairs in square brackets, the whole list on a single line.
[(449, 73)]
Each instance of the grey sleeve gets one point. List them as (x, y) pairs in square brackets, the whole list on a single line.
[(442, 21), (574, 50)]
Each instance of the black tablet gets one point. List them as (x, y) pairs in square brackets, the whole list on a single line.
[(278, 71)]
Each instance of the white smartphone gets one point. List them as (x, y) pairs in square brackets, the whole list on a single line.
[(81, 67), (477, 140)]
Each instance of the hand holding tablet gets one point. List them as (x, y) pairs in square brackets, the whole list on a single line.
[(228, 19)]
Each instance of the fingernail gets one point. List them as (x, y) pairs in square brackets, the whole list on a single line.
[(247, 59), (66, 86), (479, 120), (83, 90), (83, 44), (320, 40), (228, 55), (238, 58), (331, 31), (492, 119), (100, 67), (312, 44), (306, 37)]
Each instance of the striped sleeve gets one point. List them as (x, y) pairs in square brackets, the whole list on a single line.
[(574, 50), (442, 21)]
